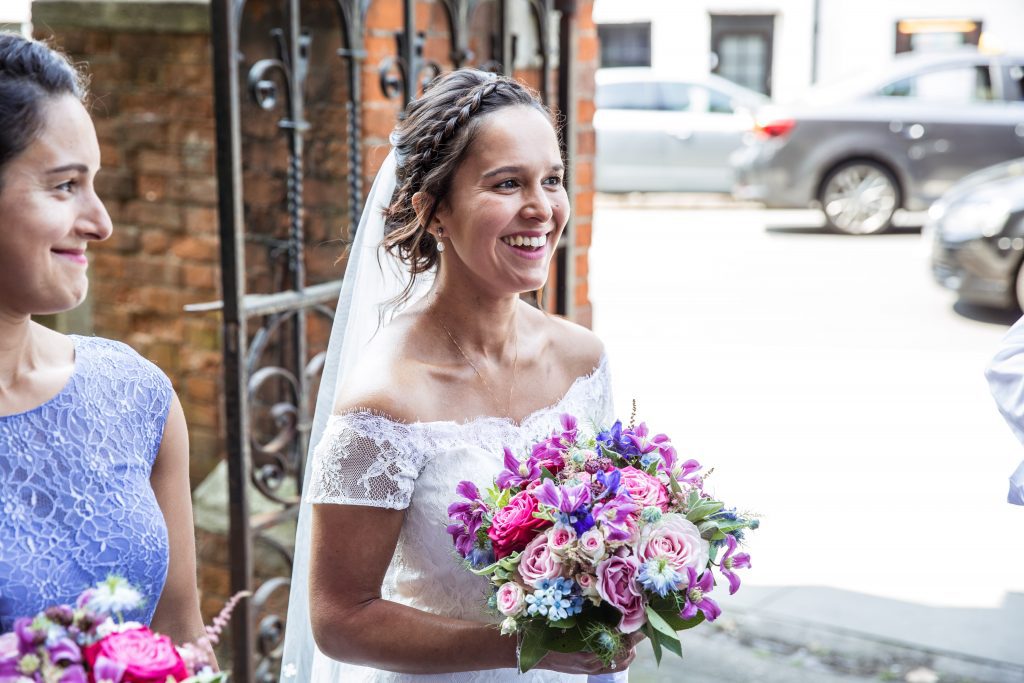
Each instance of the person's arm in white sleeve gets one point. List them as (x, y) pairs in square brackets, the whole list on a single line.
[(1005, 375)]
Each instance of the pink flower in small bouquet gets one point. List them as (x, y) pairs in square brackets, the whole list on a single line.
[(146, 656), (587, 538), (90, 643)]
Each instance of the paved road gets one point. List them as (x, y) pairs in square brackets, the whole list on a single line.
[(837, 391)]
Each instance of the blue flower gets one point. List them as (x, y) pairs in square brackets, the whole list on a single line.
[(659, 576), (480, 557), (554, 599), (613, 440)]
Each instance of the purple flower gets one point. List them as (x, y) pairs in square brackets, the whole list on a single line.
[(517, 473), (75, 674), (468, 517), (562, 498), (609, 484), (614, 516), (570, 502), (28, 637), (730, 562), (613, 440), (105, 669), (696, 596), (65, 652), (638, 437)]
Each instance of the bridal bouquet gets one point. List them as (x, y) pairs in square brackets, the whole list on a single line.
[(90, 643), (586, 539)]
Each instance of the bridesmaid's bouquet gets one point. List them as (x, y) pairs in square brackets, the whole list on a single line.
[(586, 539), (91, 643)]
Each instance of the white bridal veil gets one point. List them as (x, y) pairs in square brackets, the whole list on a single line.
[(372, 278)]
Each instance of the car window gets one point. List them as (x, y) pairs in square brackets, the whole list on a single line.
[(719, 102), (959, 85), (635, 95), (675, 96)]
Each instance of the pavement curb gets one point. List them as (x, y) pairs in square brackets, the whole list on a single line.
[(854, 652)]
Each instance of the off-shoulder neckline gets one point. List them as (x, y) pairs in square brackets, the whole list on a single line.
[(578, 382)]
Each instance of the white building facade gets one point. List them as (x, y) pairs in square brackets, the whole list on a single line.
[(781, 47)]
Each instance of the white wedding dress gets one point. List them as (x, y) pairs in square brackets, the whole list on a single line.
[(365, 458), (361, 458)]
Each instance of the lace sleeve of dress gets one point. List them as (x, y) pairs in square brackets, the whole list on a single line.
[(365, 459)]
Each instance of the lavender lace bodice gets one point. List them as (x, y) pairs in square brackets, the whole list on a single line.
[(75, 498)]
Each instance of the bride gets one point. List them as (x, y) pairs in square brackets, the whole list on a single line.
[(470, 204)]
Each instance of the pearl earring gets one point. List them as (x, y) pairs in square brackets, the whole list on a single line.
[(440, 236)]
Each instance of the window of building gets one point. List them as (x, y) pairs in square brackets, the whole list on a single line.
[(936, 35), (625, 44), (742, 49)]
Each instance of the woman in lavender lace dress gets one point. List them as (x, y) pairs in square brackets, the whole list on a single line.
[(93, 446), (468, 367)]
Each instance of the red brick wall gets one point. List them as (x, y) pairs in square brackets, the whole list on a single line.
[(152, 105)]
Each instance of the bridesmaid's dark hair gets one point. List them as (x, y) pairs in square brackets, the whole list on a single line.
[(430, 143), (31, 73)]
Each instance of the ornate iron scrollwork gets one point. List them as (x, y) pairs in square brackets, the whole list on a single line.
[(394, 72), (268, 369)]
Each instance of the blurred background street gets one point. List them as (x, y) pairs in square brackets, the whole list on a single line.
[(838, 393)]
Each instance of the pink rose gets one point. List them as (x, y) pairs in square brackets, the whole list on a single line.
[(148, 657), (588, 587), (560, 539), (616, 583), (511, 599), (538, 562), (591, 545), (678, 540), (514, 525), (645, 490)]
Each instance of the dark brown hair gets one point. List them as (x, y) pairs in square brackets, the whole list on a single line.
[(430, 143), (31, 73)]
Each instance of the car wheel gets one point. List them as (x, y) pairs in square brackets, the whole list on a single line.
[(859, 198)]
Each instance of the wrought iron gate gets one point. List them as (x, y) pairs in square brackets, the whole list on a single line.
[(270, 306)]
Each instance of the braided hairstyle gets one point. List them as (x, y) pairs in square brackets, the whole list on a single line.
[(31, 73), (430, 143)]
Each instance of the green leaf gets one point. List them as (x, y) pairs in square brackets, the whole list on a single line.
[(652, 636), (703, 509), (659, 623), (545, 473), (568, 622), (531, 648), (672, 644), (564, 640), (696, 621)]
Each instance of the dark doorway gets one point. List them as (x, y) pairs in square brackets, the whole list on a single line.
[(741, 47)]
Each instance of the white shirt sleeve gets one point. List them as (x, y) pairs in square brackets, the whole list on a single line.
[(1005, 375)]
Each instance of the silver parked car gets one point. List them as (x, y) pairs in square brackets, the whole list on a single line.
[(861, 149), (656, 132)]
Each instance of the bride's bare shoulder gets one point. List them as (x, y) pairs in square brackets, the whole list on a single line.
[(575, 347), (390, 377)]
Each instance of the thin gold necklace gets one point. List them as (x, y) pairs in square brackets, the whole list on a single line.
[(487, 386)]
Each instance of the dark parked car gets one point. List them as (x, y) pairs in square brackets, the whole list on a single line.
[(861, 149), (977, 233)]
